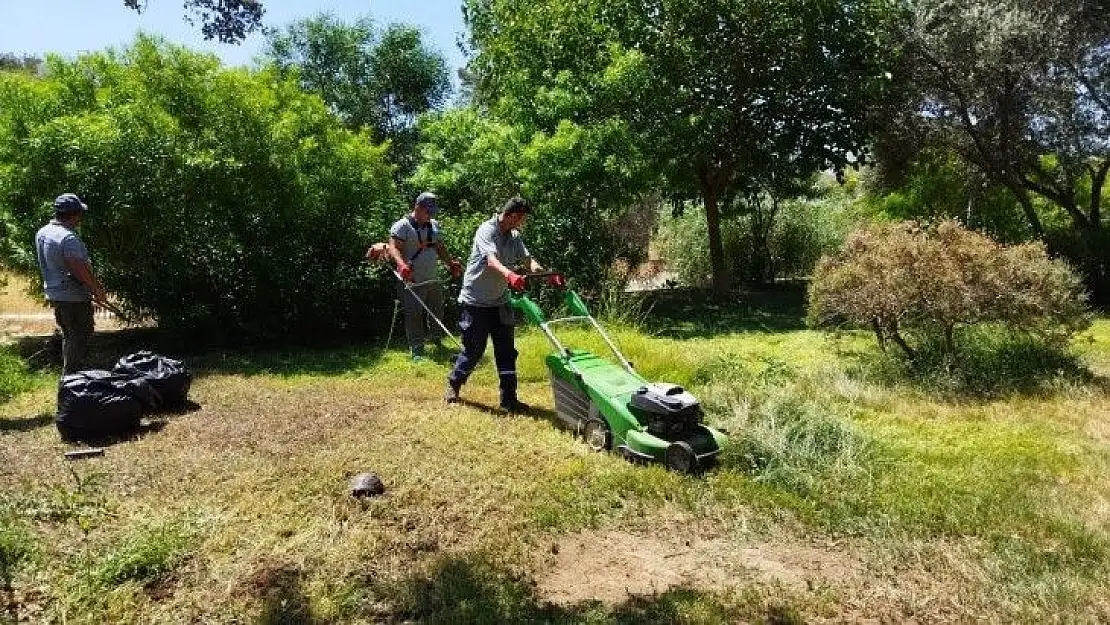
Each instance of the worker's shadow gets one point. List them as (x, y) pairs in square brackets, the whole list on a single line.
[(533, 412)]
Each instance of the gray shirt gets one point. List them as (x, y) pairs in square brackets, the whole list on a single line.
[(54, 243), (418, 246), (483, 286)]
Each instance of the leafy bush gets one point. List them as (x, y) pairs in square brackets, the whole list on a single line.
[(915, 285), (220, 199)]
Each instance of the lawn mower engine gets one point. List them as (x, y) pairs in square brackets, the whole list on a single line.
[(667, 410)]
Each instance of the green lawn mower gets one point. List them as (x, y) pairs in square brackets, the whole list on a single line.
[(613, 407)]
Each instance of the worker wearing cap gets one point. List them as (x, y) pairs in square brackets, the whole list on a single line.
[(415, 244), (68, 279), (486, 314)]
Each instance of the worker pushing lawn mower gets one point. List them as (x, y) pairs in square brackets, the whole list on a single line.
[(485, 309)]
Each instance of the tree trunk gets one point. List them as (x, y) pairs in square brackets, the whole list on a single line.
[(1096, 265), (1026, 203), (716, 248), (895, 336)]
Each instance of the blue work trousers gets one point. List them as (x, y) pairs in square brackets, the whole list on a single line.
[(478, 323)]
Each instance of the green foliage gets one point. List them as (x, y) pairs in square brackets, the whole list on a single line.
[(1021, 91), (581, 179), (220, 200), (928, 282), (764, 242), (226, 21), (14, 375), (937, 185), (377, 79), (619, 307)]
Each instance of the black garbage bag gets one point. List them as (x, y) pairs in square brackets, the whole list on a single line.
[(167, 376), (97, 404)]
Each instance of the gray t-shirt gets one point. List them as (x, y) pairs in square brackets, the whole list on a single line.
[(418, 246), (481, 285), (54, 243)]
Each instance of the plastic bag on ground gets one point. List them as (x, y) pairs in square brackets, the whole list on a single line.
[(168, 376), (98, 404)]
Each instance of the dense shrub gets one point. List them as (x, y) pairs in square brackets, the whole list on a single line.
[(916, 285), (223, 200)]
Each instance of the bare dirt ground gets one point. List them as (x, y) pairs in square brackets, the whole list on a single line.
[(611, 565)]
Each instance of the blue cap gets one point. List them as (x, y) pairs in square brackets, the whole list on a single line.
[(428, 201), (69, 203)]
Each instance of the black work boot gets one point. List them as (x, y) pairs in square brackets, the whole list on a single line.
[(451, 396)]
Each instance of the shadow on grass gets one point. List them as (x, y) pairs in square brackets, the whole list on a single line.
[(989, 366), (126, 436), (25, 424), (688, 313), (287, 361), (281, 590), (288, 358), (469, 589)]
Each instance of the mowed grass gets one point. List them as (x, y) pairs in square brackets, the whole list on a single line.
[(844, 496)]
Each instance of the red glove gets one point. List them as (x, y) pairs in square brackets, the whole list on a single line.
[(557, 280), (406, 272), (456, 269), (516, 282)]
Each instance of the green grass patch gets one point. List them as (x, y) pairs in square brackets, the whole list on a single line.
[(146, 555), (18, 548), (15, 376), (111, 581), (842, 496)]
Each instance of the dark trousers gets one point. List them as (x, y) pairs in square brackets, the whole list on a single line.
[(417, 321), (76, 322), (477, 324)]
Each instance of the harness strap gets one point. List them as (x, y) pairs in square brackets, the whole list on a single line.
[(422, 244)]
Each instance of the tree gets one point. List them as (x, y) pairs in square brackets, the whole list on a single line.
[(227, 21), (728, 98), (380, 80), (1021, 91), (222, 201), (24, 63)]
